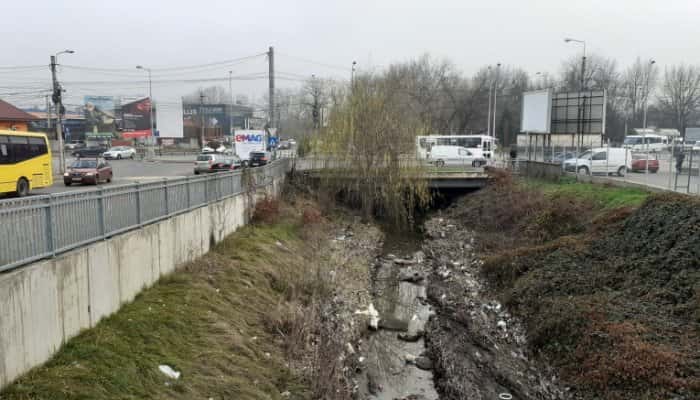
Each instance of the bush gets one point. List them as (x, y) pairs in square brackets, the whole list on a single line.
[(267, 210), (311, 216)]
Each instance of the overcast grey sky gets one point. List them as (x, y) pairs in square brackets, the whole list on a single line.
[(167, 33)]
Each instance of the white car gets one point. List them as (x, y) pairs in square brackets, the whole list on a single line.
[(119, 152), (456, 156), (209, 150), (602, 160)]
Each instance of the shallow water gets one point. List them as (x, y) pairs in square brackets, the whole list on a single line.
[(388, 375)]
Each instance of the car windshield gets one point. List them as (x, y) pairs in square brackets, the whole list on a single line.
[(84, 164), (633, 140), (203, 158), (585, 154), (115, 148)]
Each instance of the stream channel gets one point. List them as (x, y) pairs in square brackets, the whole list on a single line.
[(396, 367)]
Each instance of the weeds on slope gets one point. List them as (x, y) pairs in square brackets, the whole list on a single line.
[(606, 280), (218, 321)]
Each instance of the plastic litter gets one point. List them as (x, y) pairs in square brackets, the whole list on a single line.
[(169, 372)]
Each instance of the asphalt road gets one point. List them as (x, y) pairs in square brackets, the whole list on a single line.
[(127, 171)]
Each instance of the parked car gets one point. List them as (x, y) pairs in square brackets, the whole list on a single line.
[(600, 160), (205, 162), (559, 158), (284, 145), (74, 144), (259, 158), (228, 163), (208, 150), (441, 155), (88, 170), (92, 151), (119, 152), (640, 161)]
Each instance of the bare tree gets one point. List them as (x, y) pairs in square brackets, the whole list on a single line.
[(680, 94), (212, 95)]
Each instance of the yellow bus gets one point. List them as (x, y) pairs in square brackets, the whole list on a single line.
[(25, 162)]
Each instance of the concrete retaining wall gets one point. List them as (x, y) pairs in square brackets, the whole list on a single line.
[(540, 170), (45, 304)]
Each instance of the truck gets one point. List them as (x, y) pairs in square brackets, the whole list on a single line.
[(247, 141)]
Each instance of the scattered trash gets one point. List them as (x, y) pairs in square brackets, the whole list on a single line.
[(340, 238), (349, 348), (403, 261), (505, 396), (169, 372), (373, 315), (501, 324), (286, 393), (410, 358), (411, 276)]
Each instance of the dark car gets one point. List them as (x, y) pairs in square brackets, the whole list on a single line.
[(92, 151), (88, 170), (259, 158)]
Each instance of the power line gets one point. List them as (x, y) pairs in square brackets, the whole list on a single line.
[(306, 60)]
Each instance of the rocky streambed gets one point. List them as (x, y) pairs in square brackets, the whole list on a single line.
[(435, 334)]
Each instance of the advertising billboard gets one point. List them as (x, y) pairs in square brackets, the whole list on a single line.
[(99, 116), (246, 141), (536, 113), (579, 112), (136, 118), (170, 119)]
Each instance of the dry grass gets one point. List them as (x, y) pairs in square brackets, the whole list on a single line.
[(237, 323)]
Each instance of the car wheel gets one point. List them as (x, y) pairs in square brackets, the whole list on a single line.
[(653, 171), (22, 187), (196, 172), (119, 156), (621, 171), (67, 183), (132, 156), (583, 170), (439, 163)]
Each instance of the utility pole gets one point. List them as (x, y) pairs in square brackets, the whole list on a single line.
[(56, 97), (271, 78), (495, 98), (230, 92), (150, 154), (488, 115), (648, 92), (48, 115), (201, 119)]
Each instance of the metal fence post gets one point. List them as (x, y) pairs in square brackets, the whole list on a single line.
[(138, 202), (101, 210), (187, 185), (165, 187), (50, 226)]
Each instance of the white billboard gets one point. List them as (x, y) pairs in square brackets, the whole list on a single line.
[(536, 116), (169, 119)]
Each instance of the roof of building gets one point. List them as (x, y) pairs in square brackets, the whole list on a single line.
[(8, 112)]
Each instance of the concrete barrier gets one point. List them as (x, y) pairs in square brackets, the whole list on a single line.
[(45, 304)]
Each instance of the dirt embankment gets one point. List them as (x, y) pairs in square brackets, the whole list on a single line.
[(267, 314), (611, 297)]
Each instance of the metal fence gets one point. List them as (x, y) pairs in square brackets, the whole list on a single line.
[(37, 227)]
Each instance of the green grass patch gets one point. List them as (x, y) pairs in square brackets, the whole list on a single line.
[(600, 196), (205, 320)]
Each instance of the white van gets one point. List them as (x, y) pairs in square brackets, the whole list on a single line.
[(455, 155), (649, 142), (601, 160)]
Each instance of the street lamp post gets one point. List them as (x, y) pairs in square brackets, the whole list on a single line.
[(582, 88), (230, 92), (149, 147), (648, 91), (57, 99), (495, 97), (488, 114)]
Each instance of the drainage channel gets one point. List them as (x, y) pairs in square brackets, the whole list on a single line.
[(396, 366)]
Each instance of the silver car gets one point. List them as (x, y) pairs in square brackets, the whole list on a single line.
[(205, 163)]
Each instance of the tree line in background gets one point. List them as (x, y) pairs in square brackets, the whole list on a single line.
[(443, 100)]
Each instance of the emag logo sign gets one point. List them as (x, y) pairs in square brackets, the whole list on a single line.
[(249, 138)]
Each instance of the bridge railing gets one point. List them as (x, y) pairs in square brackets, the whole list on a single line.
[(37, 227)]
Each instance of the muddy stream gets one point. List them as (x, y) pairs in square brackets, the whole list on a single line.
[(437, 334)]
